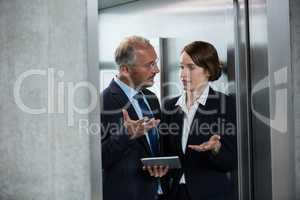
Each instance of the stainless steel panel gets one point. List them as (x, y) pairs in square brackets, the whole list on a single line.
[(295, 47), (282, 122), (94, 116), (281, 110), (262, 176), (272, 118), (111, 3), (243, 92)]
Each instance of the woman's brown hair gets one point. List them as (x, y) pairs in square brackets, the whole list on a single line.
[(205, 55)]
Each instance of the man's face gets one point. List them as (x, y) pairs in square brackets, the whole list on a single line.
[(143, 72)]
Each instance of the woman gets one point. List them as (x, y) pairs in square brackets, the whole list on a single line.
[(199, 127)]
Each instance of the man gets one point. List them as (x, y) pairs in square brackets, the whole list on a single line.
[(129, 116)]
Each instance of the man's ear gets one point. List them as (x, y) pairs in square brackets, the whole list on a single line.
[(124, 69)]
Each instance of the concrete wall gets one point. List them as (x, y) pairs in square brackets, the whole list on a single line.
[(41, 156), (295, 40)]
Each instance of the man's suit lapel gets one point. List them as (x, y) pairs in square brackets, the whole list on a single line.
[(124, 102), (154, 106)]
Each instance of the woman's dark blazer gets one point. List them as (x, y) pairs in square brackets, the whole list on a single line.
[(205, 173)]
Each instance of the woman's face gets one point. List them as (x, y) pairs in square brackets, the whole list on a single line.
[(192, 76)]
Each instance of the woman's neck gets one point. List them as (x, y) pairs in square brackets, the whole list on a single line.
[(193, 95)]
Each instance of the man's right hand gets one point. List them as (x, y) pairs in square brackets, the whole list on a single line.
[(138, 128)]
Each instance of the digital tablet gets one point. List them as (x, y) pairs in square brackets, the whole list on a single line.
[(172, 161)]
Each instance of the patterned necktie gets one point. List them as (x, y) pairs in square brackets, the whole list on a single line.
[(152, 133)]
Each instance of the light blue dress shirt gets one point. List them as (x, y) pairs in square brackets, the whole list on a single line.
[(130, 93)]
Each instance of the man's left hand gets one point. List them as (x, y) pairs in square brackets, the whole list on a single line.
[(157, 171)]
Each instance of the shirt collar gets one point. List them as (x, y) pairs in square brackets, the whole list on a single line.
[(129, 91), (201, 100)]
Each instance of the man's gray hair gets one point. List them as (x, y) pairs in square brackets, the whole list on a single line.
[(125, 53)]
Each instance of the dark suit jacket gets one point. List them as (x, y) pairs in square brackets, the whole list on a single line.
[(123, 177), (205, 173)]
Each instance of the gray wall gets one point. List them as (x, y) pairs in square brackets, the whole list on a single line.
[(41, 156), (295, 42)]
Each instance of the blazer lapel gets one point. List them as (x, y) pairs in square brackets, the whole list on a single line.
[(124, 102), (154, 105), (178, 118), (200, 113)]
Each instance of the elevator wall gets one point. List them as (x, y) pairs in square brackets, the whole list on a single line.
[(176, 23), (273, 49)]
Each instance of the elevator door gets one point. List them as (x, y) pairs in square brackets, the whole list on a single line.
[(171, 24)]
